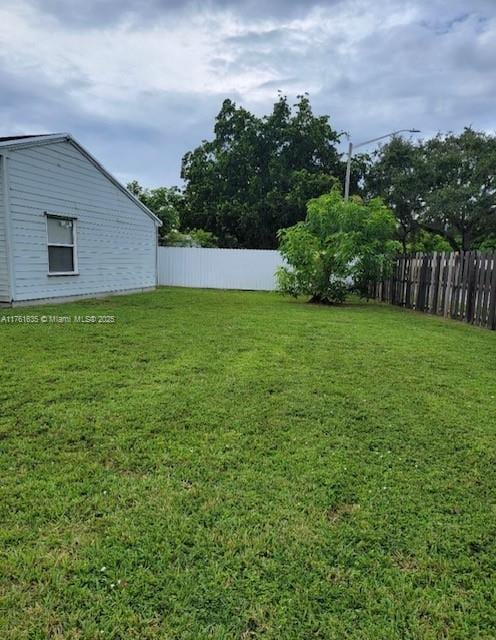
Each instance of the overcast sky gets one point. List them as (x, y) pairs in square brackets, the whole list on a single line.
[(140, 82)]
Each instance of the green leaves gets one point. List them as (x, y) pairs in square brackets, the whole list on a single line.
[(194, 238), (444, 186), (462, 194), (257, 174), (338, 243), (167, 203)]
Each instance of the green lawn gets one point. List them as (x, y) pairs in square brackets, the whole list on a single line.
[(237, 465)]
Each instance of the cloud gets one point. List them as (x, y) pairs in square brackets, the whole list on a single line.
[(95, 13), (140, 83)]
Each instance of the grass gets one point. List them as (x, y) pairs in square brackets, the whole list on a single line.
[(237, 465)]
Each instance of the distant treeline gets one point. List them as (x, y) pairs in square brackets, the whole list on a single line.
[(257, 174)]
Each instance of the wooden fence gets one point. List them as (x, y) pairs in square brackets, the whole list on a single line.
[(460, 285)]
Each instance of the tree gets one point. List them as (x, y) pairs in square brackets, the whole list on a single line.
[(167, 203), (257, 174), (461, 198), (445, 186), (397, 176), (340, 242)]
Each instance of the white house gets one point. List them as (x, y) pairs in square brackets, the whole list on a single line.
[(68, 228)]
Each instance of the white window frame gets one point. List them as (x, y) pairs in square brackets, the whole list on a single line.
[(73, 246)]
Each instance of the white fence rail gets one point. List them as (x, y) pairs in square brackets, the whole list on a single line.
[(251, 269)]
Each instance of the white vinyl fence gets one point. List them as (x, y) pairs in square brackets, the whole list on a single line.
[(251, 269)]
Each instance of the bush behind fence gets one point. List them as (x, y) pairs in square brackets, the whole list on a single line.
[(458, 285)]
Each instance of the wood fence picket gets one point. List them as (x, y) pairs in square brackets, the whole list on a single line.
[(459, 285)]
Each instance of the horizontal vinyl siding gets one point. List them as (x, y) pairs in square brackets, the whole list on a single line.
[(4, 273), (115, 238)]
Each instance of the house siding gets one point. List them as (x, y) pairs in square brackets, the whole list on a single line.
[(4, 271), (116, 239)]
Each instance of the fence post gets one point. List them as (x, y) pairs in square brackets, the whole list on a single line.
[(491, 314)]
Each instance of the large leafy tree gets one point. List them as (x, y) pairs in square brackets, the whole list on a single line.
[(461, 195), (257, 174), (443, 187), (397, 175), (341, 245)]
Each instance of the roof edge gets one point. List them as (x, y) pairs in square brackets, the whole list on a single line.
[(33, 141)]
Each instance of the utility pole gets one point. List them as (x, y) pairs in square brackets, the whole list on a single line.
[(351, 146)]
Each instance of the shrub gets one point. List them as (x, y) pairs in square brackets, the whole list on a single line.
[(341, 245), (193, 238)]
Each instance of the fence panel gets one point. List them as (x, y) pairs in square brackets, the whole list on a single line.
[(249, 269), (459, 285)]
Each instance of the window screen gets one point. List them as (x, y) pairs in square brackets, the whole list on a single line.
[(60, 245)]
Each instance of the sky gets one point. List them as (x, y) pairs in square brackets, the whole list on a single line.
[(139, 82)]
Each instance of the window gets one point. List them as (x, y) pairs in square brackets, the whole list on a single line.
[(62, 258)]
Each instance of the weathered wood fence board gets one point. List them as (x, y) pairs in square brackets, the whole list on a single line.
[(460, 285)]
